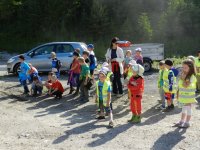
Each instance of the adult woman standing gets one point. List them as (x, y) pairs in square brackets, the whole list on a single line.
[(115, 57)]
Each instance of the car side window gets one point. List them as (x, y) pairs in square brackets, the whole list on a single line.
[(44, 50), (64, 48)]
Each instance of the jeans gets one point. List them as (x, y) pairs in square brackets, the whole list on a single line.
[(37, 90), (162, 96), (24, 83)]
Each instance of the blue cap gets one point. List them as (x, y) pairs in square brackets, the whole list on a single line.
[(90, 46)]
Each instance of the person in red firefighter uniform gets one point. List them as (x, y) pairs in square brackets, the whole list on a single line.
[(136, 88)]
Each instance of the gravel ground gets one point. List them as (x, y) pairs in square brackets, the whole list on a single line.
[(44, 123)]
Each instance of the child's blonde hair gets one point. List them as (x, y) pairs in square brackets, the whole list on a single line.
[(128, 51), (81, 59), (53, 77), (53, 54)]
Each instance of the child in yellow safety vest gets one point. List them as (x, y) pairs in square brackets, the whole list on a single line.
[(197, 66), (103, 97), (105, 67), (186, 92), (169, 85), (160, 84)]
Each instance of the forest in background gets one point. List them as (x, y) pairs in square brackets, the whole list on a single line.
[(25, 24)]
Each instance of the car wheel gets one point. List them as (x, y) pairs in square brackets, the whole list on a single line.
[(147, 66), (16, 69)]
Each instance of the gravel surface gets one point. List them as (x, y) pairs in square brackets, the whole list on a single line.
[(44, 123)]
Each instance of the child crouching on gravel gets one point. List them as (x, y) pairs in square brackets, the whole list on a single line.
[(48, 83), (37, 86), (56, 87), (103, 97), (136, 88), (186, 92)]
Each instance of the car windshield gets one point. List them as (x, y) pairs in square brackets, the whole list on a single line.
[(84, 46)]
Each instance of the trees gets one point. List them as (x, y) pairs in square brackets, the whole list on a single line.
[(25, 23)]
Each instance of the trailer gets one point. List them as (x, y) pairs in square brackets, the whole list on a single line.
[(150, 52)]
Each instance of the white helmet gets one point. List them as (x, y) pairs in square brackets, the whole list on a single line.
[(104, 69), (132, 62), (105, 64), (139, 69), (139, 49)]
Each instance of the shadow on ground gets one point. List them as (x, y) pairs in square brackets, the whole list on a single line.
[(169, 140)]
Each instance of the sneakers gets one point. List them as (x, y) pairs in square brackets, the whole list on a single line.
[(178, 124), (111, 124), (71, 91), (100, 117), (185, 125), (172, 106), (58, 97), (182, 125), (160, 108), (169, 108)]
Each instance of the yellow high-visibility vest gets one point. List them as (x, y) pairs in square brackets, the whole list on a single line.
[(160, 78), (129, 74), (106, 84), (187, 95), (197, 65), (108, 75), (166, 81)]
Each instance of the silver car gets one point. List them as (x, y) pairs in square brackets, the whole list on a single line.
[(40, 56)]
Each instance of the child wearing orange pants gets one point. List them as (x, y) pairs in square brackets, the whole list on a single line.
[(136, 88)]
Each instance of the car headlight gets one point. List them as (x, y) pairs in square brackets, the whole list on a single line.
[(11, 60)]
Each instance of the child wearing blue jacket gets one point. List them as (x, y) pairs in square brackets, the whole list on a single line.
[(92, 59), (23, 74)]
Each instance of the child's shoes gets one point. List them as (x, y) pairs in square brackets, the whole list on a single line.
[(137, 119), (111, 124), (132, 118), (100, 117)]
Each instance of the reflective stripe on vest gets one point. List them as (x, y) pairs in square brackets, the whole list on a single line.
[(187, 96), (187, 90), (106, 84)]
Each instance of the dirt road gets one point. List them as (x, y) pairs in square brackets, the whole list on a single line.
[(47, 124)]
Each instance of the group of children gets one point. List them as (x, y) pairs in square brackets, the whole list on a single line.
[(184, 89), (81, 70), (81, 77), (171, 84), (133, 75)]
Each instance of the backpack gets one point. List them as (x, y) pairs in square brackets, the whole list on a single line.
[(175, 71), (58, 64)]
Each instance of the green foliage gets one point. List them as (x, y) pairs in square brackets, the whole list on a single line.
[(145, 27), (27, 23)]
